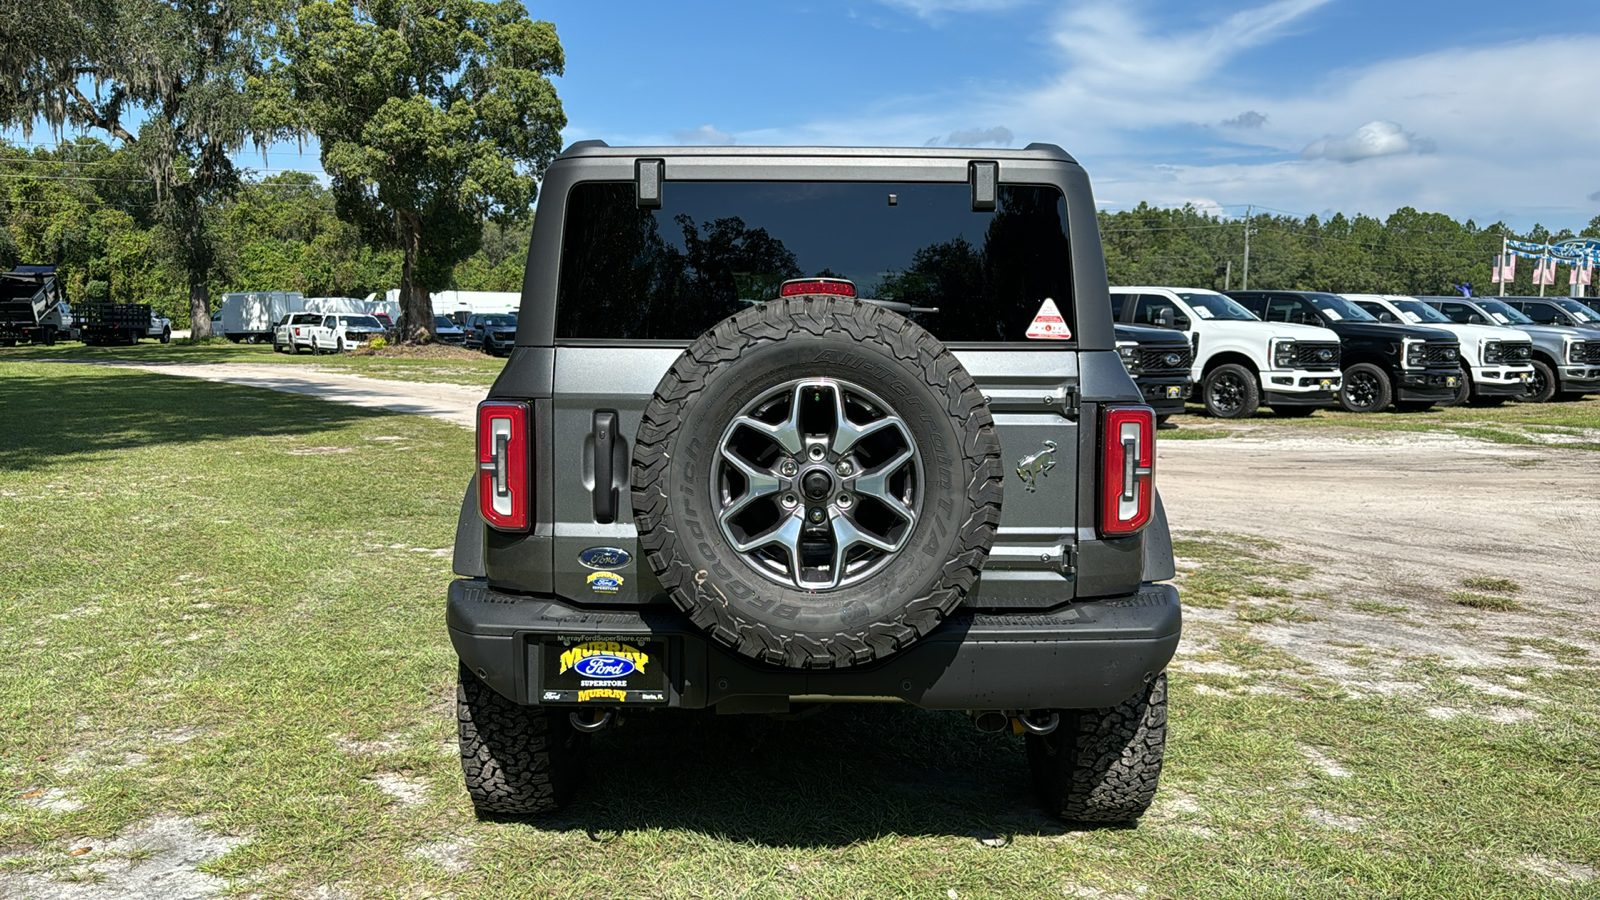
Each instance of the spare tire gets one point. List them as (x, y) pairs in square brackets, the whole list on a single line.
[(817, 482)]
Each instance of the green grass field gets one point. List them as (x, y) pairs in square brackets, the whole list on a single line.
[(1565, 423), (439, 363), (224, 607)]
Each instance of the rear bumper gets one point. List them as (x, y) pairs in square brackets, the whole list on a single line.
[(1085, 655)]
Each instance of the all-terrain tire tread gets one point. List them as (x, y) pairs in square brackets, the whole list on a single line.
[(516, 760), (1102, 766)]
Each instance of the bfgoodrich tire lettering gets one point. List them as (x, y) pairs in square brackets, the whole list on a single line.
[(1103, 765), (746, 356), (516, 760)]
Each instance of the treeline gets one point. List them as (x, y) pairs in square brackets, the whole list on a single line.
[(91, 211), (1410, 252)]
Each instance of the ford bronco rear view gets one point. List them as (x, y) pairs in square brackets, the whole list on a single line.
[(788, 426)]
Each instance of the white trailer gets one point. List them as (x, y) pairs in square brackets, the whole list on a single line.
[(336, 305), (250, 316)]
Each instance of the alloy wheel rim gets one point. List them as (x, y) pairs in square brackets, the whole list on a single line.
[(817, 483)]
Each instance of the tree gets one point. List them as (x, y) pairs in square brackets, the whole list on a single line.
[(432, 116), (181, 64)]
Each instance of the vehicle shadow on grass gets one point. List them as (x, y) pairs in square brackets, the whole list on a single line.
[(851, 774), (51, 415)]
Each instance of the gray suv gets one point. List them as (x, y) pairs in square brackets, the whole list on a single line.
[(785, 427)]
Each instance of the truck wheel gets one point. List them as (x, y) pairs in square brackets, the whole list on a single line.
[(1366, 389), (166, 336), (1102, 765), (339, 347), (516, 760), (1230, 392), (49, 337), (1542, 386), (795, 513)]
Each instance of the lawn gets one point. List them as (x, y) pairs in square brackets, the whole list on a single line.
[(441, 363), (221, 620)]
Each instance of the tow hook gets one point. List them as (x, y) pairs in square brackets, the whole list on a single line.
[(1044, 727), (601, 721)]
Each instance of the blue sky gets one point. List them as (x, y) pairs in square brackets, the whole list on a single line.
[(1304, 106), (1298, 106)]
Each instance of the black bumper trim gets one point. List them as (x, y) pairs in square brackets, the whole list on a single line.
[(1088, 654), (1318, 399)]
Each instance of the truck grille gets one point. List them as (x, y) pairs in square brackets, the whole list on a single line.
[(1515, 351), (1588, 353), (1441, 354), (1311, 356), (1155, 359)]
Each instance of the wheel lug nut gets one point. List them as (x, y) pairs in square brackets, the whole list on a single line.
[(788, 468), (844, 501), (817, 515), (844, 468), (816, 452)]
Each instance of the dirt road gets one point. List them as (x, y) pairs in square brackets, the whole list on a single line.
[(451, 402)]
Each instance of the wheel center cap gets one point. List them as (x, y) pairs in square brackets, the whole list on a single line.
[(816, 484)]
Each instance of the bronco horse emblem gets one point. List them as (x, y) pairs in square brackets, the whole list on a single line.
[(1036, 466)]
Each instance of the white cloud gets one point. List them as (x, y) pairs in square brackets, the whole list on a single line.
[(999, 135), (1372, 139), (705, 134), (936, 9), (1247, 119)]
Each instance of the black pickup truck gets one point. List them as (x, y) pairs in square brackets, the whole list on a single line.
[(1408, 366), (1159, 360), (793, 426)]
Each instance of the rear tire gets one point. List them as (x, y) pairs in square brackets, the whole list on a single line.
[(1366, 389), (1231, 392), (1103, 765), (1542, 387), (515, 760)]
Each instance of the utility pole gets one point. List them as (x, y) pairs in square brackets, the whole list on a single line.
[(1247, 210), (1227, 276)]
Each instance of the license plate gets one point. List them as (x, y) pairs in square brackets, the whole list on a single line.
[(1450, 381), (1327, 385), (1174, 392), (1525, 376), (604, 672)]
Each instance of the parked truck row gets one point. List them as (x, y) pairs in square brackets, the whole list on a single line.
[(1299, 351)]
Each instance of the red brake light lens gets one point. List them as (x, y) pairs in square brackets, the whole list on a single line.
[(504, 489), (1127, 469), (831, 287)]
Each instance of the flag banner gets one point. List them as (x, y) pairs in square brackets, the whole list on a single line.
[(1509, 271), (1494, 277)]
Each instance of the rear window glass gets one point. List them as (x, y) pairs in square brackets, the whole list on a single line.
[(715, 248)]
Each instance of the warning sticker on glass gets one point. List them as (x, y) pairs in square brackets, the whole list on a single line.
[(1048, 325)]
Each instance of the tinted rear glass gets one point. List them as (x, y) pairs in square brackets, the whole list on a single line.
[(715, 248)]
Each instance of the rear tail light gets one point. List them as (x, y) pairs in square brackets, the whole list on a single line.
[(504, 488), (1127, 469)]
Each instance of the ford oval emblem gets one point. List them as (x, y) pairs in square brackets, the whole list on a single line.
[(604, 557), (1171, 359), (605, 666), (1325, 354)]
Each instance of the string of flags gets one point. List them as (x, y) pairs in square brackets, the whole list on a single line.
[(1581, 255)]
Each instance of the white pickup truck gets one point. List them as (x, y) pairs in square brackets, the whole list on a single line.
[(328, 333), (1498, 360), (1240, 362)]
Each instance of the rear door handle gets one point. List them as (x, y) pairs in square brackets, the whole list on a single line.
[(605, 493)]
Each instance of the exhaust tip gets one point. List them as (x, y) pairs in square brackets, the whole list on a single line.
[(991, 721)]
